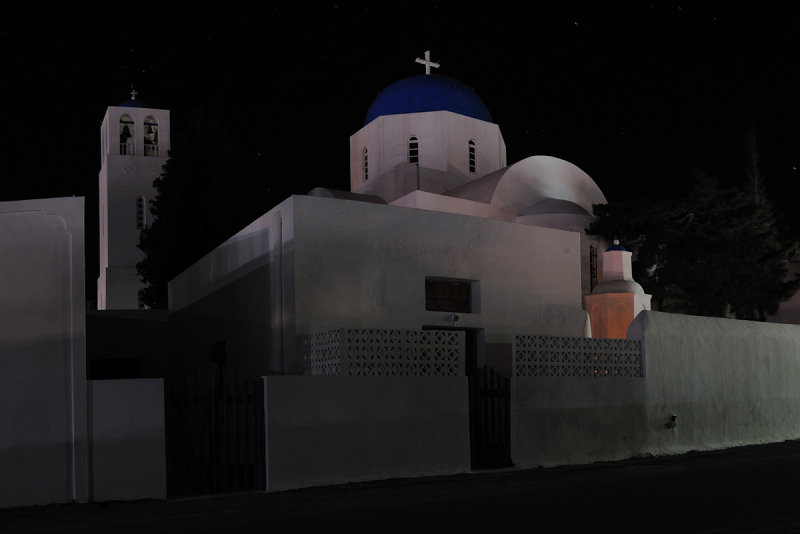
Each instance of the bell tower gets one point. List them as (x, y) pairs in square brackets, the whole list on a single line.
[(134, 146)]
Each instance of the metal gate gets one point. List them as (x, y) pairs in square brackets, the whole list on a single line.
[(489, 419), (215, 433)]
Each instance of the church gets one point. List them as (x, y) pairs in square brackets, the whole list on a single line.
[(438, 231), (446, 314)]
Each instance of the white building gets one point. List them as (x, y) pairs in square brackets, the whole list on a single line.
[(43, 400), (134, 145), (441, 262), (64, 438), (437, 231)]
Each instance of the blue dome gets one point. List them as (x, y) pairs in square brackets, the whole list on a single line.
[(134, 104), (429, 92), (616, 246)]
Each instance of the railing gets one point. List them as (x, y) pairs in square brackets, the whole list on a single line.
[(127, 149), (366, 352), (577, 357)]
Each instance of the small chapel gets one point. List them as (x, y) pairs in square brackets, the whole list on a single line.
[(437, 230)]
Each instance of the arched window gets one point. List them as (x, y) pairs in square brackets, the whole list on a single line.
[(471, 155), (413, 150), (366, 165), (126, 132), (150, 136), (141, 212)]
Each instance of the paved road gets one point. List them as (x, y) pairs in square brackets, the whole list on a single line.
[(746, 489)]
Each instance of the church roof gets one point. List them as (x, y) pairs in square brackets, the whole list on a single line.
[(554, 205), (428, 92), (346, 195), (535, 185)]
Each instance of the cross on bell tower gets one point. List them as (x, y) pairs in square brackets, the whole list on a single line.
[(427, 62)]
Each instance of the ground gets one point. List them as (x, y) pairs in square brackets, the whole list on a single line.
[(745, 489)]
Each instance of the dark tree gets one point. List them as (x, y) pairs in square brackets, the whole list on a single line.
[(715, 251), (209, 189)]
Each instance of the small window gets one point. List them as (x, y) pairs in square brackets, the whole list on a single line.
[(471, 155), (150, 136), (366, 165), (450, 295), (413, 150), (126, 131)]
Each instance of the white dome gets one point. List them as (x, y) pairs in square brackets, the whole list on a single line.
[(535, 185), (539, 178)]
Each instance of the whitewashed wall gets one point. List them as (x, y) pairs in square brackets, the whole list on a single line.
[(728, 383), (127, 432), (333, 429), (443, 138), (359, 265), (43, 448), (323, 263)]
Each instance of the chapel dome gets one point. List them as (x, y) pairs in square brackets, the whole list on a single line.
[(428, 92), (535, 185), (134, 104)]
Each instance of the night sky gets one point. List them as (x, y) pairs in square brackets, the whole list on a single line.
[(636, 94)]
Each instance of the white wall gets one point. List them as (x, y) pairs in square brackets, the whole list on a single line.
[(360, 265), (443, 146), (729, 383), (333, 263), (574, 420), (43, 449), (234, 294), (330, 429), (127, 432)]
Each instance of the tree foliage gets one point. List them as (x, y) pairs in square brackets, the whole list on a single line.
[(209, 189), (716, 251)]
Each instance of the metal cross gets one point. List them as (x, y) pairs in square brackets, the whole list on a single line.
[(133, 94), (427, 62)]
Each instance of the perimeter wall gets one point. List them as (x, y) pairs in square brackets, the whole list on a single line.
[(726, 382)]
